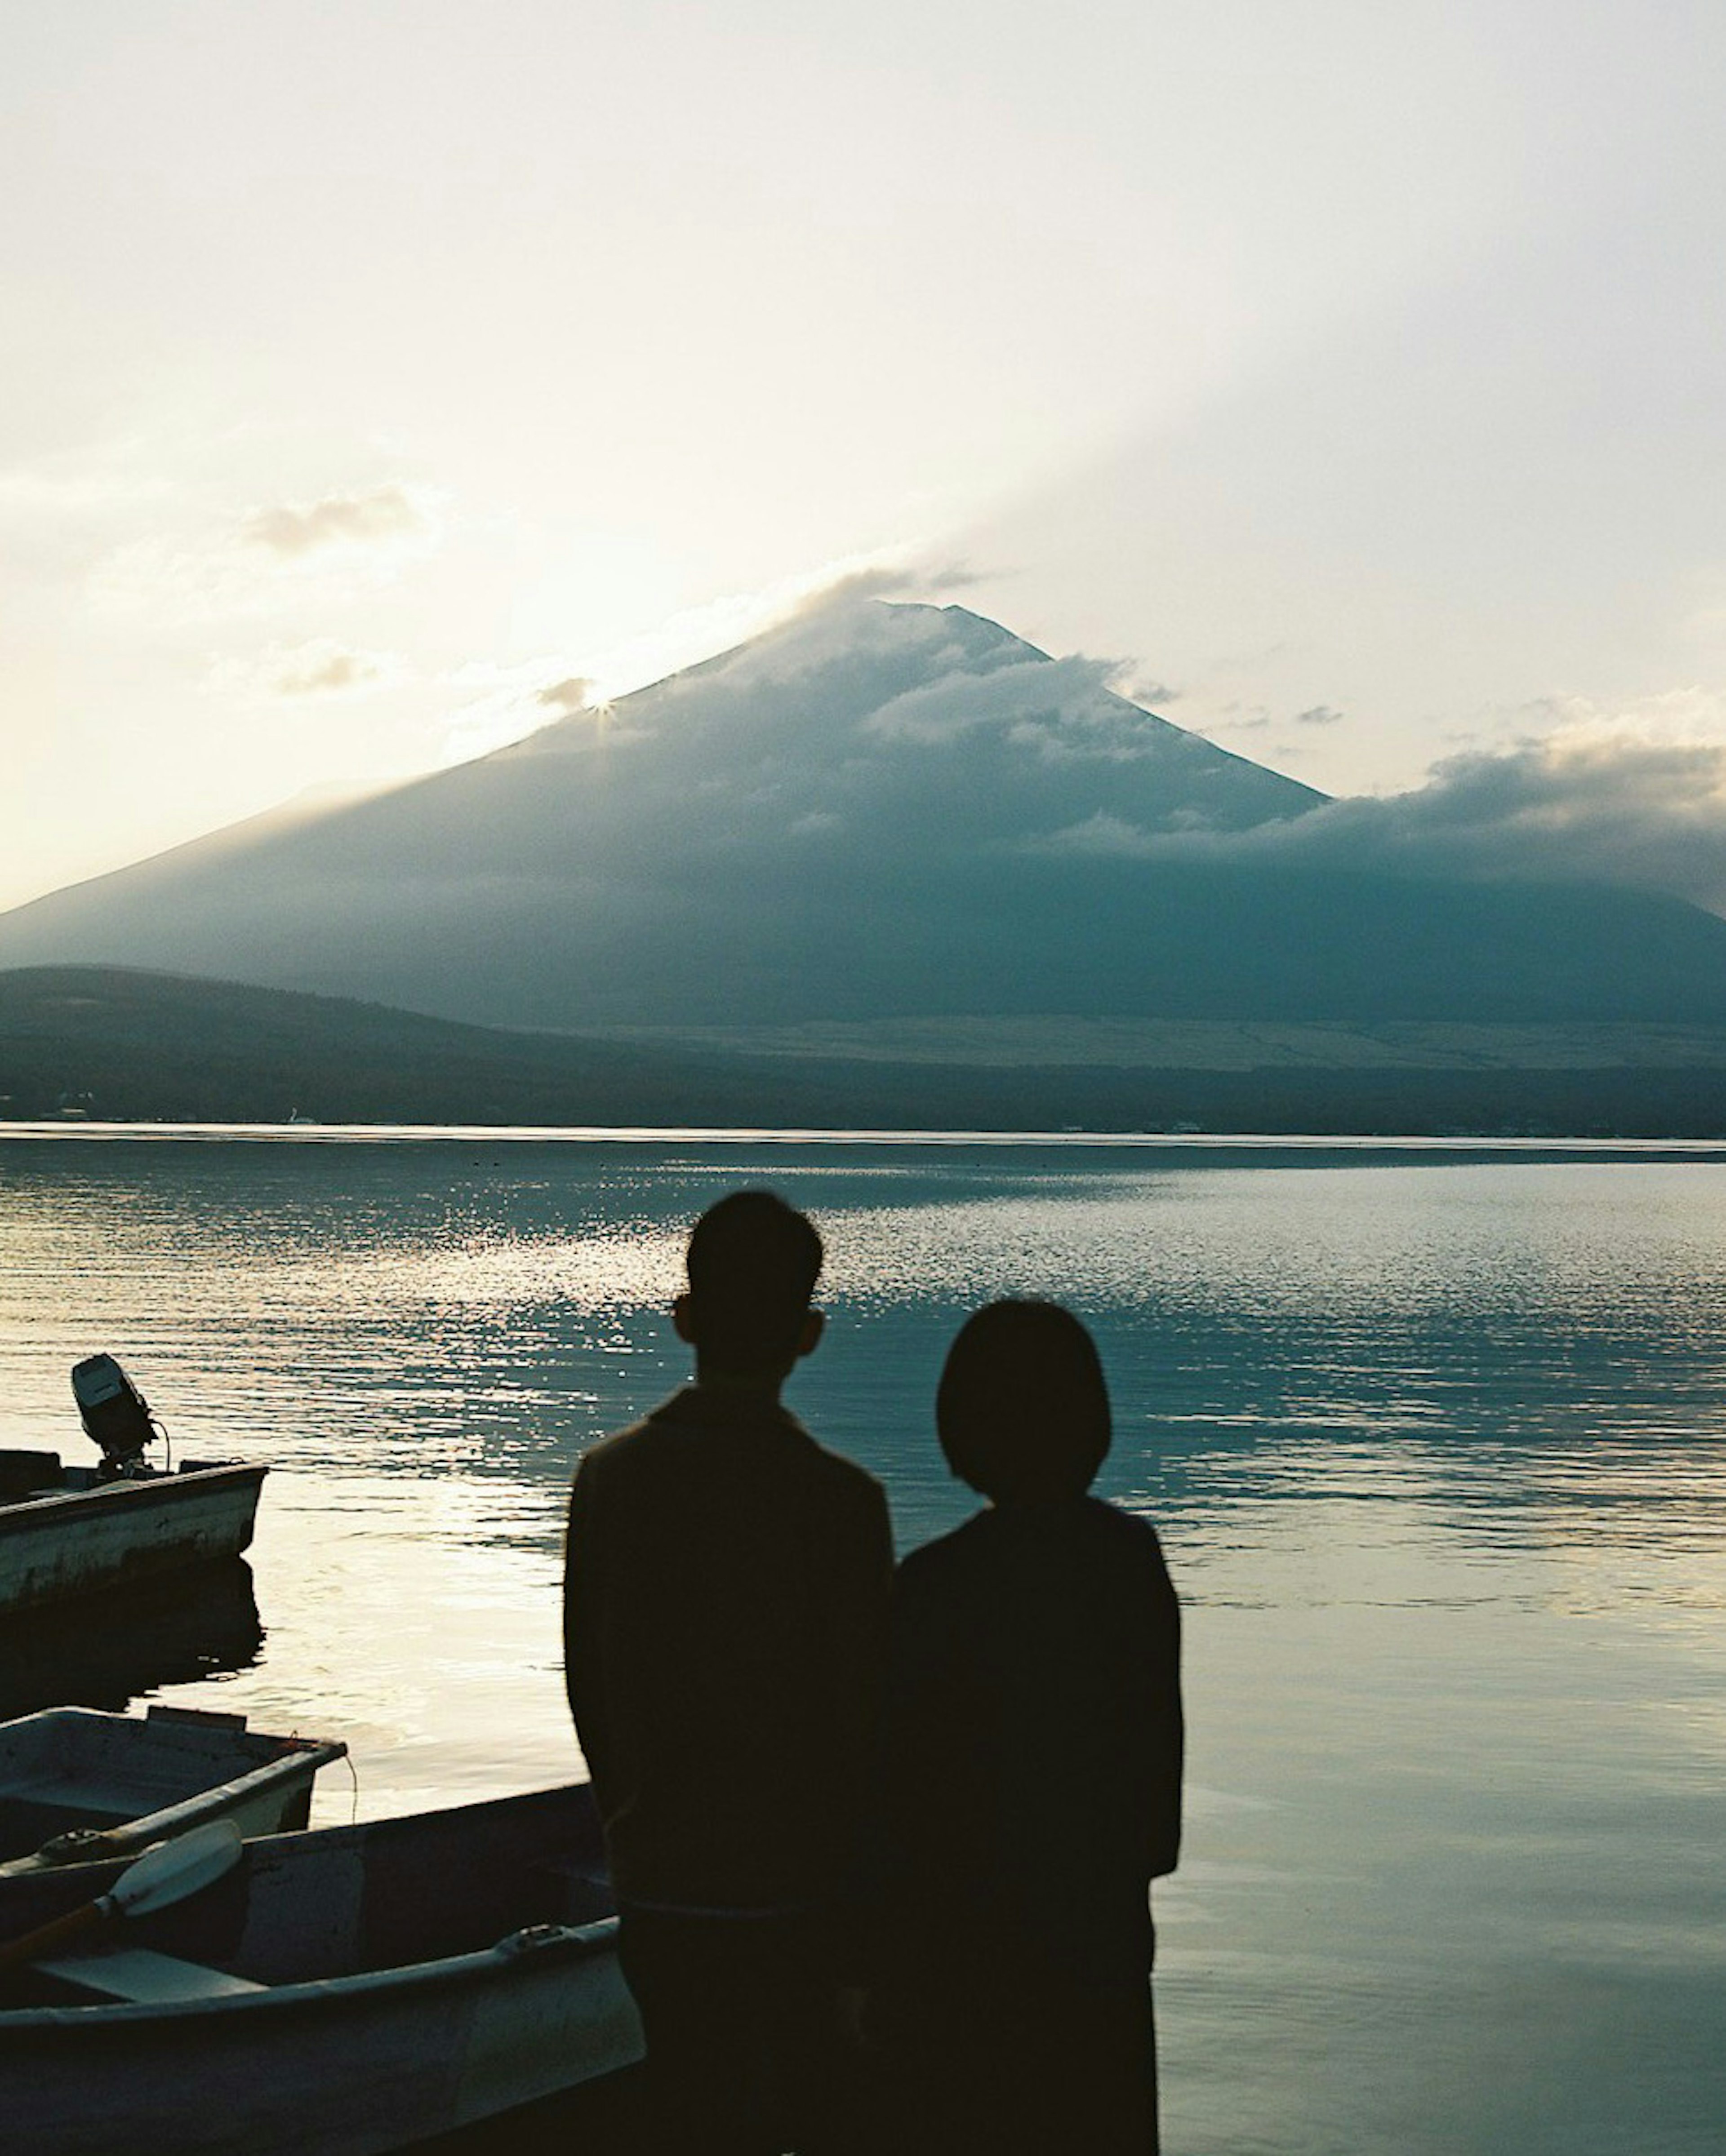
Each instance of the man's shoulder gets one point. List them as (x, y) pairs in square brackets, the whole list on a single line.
[(838, 1468), (620, 1448), (838, 1484), (653, 1445)]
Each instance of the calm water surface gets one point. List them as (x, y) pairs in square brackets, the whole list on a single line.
[(1433, 1440)]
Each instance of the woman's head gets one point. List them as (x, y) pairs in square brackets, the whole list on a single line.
[(1022, 1410)]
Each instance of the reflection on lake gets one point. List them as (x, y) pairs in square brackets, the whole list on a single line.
[(107, 1650), (1433, 1442)]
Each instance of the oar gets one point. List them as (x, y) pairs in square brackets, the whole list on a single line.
[(161, 1877)]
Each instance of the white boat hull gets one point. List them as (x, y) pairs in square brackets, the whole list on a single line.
[(77, 1542)]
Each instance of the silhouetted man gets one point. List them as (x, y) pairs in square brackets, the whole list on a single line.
[(725, 1609), (1034, 1752)]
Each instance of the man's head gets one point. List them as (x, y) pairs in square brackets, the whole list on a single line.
[(753, 1262), (1022, 1409)]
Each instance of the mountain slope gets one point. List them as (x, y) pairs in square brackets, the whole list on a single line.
[(110, 1043), (875, 812)]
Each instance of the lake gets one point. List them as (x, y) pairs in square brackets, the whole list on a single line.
[(1432, 1436)]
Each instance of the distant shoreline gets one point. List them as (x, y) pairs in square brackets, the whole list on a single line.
[(104, 1046), (1258, 1142)]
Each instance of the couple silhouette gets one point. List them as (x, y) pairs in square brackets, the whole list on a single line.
[(880, 1841)]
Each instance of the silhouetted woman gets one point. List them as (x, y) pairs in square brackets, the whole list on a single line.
[(1033, 1771)]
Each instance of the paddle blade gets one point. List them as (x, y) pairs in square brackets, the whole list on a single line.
[(168, 1874), (159, 1878)]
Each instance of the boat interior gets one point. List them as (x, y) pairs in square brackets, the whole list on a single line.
[(339, 1901), (77, 1772), (26, 1475)]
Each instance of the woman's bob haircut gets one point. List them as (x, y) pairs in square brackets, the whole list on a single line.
[(1022, 1409)]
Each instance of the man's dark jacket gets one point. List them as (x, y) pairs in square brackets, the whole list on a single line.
[(725, 1609)]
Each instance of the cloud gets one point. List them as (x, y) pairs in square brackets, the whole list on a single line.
[(772, 636), (816, 614), (842, 628), (322, 668), (1062, 708), (1102, 833), (564, 698), (752, 640), (1320, 715), (1636, 798), (519, 706), (271, 560), (386, 516), (1035, 692)]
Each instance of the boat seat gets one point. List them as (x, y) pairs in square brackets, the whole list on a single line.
[(573, 1891), (142, 1978)]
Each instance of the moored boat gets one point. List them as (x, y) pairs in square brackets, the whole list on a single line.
[(67, 1531), (352, 1991), (78, 1786)]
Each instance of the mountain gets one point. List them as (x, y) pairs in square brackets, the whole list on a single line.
[(875, 812)]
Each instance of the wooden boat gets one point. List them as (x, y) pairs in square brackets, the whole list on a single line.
[(80, 1786), (66, 1532), (350, 1990)]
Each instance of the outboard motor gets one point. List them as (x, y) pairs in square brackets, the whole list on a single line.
[(115, 1413)]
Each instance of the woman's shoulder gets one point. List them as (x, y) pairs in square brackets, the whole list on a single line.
[(1086, 1528), (941, 1553), (1114, 1524)]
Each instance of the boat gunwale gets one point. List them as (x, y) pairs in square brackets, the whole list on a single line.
[(296, 1758), (20, 1514), (531, 1943)]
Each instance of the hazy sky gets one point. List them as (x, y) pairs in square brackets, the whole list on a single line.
[(1350, 373)]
